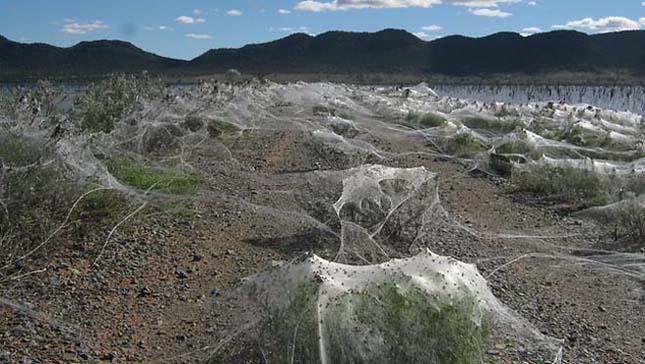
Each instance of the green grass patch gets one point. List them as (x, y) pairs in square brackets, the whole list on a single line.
[(570, 185), (137, 175)]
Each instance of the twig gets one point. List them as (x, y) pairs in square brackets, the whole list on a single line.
[(13, 278), (264, 356), (293, 344), (558, 357), (507, 264)]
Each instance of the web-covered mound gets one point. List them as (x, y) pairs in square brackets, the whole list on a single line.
[(423, 309), (383, 210)]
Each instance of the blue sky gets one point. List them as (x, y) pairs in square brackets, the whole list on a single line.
[(187, 28)]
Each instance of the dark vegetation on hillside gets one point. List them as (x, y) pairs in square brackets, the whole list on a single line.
[(389, 51)]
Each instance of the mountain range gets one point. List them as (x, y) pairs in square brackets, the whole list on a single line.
[(388, 51)]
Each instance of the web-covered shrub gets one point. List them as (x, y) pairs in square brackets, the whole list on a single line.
[(423, 309), (107, 102)]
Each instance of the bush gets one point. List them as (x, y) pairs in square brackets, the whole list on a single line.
[(630, 223), (216, 128), (502, 159), (8, 101), (384, 324), (429, 120), (346, 116), (414, 329), (300, 316), (162, 139), (106, 103), (103, 204), (35, 195), (193, 123), (17, 151), (497, 125), (320, 110), (44, 93), (136, 175), (574, 186), (464, 145), (515, 147)]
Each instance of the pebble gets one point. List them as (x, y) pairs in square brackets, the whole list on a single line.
[(181, 274)]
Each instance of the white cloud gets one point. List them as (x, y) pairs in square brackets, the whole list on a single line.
[(496, 13), (422, 35), (161, 27), (78, 28), (189, 20), (481, 3), (199, 12), (199, 36), (432, 28), (532, 3), (530, 31), (317, 6), (284, 11), (292, 30), (234, 12), (607, 24)]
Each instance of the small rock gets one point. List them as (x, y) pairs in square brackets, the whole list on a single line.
[(145, 291), (181, 274), (109, 356), (82, 354)]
